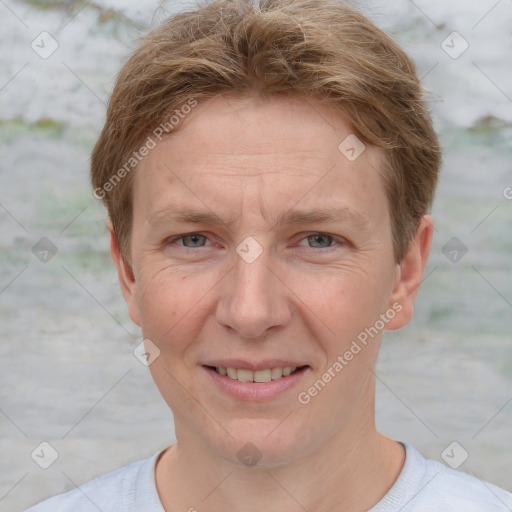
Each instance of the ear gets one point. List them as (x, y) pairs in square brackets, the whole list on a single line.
[(126, 277), (409, 274)]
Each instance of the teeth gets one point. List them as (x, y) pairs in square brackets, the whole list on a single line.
[(258, 376), (245, 375), (277, 373), (261, 375)]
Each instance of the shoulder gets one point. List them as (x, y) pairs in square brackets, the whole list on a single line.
[(461, 490), (117, 491), (427, 485)]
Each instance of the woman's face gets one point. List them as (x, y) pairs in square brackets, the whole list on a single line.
[(262, 244)]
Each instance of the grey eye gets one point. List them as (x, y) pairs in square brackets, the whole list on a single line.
[(195, 240), (321, 239)]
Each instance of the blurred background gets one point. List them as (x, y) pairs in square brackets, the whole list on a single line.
[(68, 375)]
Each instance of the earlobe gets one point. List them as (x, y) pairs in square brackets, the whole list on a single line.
[(126, 276), (410, 272)]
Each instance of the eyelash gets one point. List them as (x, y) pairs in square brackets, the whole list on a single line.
[(334, 239)]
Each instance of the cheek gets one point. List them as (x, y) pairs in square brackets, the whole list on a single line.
[(347, 299), (350, 305), (166, 303)]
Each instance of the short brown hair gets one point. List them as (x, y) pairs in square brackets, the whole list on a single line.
[(323, 48)]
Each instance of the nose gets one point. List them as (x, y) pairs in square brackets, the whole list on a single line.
[(253, 299)]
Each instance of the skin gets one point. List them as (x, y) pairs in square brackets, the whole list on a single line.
[(307, 298)]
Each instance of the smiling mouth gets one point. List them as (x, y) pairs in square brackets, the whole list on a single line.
[(259, 376)]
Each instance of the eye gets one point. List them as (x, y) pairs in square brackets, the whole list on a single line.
[(195, 240), (320, 240), (314, 240)]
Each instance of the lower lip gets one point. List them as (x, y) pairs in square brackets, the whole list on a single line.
[(255, 391)]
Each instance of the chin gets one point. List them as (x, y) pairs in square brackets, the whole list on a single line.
[(261, 443)]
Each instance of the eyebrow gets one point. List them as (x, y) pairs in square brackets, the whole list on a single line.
[(180, 214)]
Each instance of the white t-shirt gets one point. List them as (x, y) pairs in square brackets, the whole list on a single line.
[(422, 486)]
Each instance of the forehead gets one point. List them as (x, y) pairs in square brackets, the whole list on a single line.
[(296, 128), (232, 153)]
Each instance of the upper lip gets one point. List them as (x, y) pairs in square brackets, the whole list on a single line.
[(241, 364)]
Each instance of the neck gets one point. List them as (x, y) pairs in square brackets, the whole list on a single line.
[(349, 473)]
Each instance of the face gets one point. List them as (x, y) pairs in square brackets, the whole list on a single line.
[(258, 246)]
